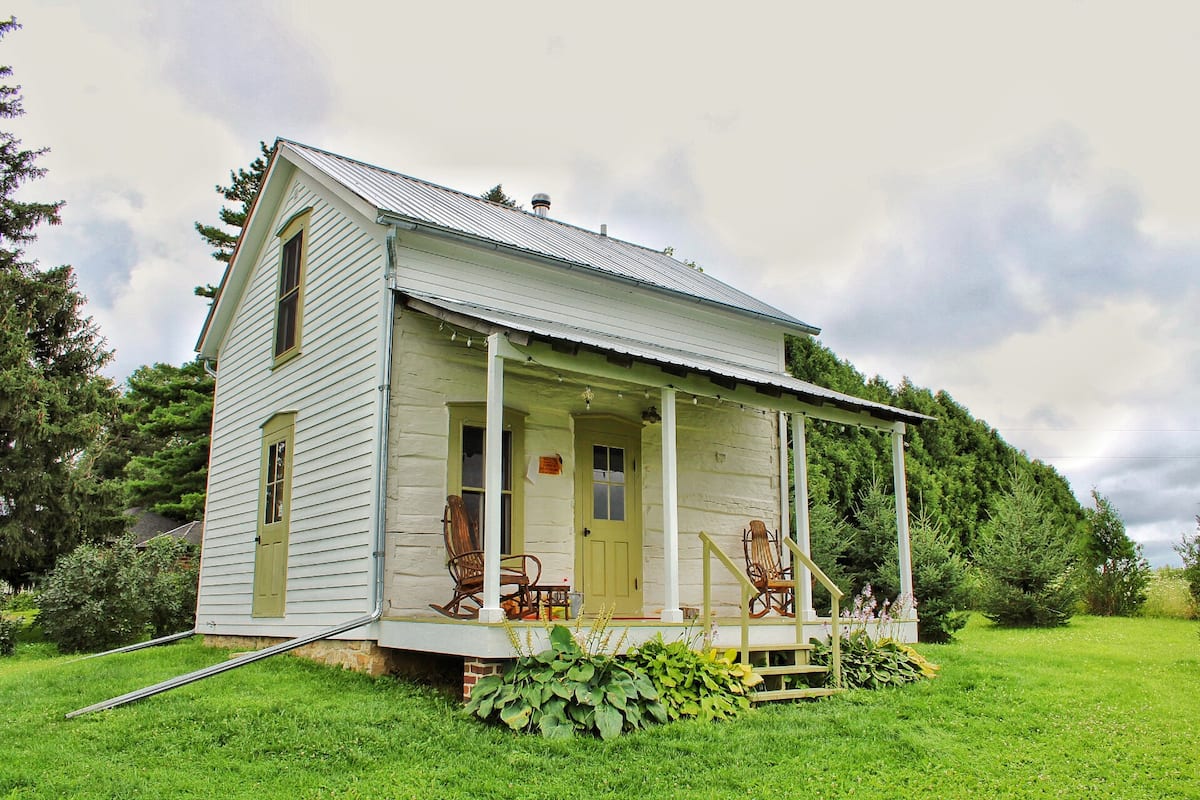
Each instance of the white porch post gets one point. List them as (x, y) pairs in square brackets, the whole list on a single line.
[(785, 521), (492, 483), (902, 543), (671, 611), (804, 604)]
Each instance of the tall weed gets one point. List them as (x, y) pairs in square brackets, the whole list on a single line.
[(1167, 595)]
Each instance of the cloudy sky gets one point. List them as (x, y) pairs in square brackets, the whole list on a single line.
[(1000, 202)]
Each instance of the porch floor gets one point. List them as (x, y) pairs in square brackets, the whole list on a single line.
[(491, 640)]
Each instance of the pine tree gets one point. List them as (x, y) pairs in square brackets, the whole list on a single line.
[(167, 412), (53, 401), (496, 195), (1027, 562), (242, 188)]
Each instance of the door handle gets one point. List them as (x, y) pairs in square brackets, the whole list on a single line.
[(587, 531), (258, 540)]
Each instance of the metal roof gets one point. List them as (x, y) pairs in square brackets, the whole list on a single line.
[(450, 211), (693, 362)]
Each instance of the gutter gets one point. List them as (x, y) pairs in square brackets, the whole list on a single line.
[(387, 313)]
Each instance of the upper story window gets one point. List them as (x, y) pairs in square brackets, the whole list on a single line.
[(289, 300)]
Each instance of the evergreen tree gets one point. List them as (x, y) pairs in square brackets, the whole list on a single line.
[(1026, 561), (870, 562), (1118, 573), (939, 576), (53, 401), (496, 195), (242, 188), (831, 538), (167, 412)]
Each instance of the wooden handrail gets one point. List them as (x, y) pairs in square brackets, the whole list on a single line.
[(835, 595), (748, 590)]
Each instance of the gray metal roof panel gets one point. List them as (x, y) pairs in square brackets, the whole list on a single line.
[(662, 355), (397, 194)]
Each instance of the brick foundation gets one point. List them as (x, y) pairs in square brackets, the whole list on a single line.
[(476, 668)]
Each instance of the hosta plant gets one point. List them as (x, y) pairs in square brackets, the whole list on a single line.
[(566, 689), (705, 685), (874, 664)]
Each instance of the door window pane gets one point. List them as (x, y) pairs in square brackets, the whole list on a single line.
[(616, 502), (608, 482), (276, 473)]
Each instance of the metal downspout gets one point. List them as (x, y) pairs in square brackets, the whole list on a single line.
[(385, 371)]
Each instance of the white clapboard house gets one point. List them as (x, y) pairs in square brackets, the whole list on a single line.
[(381, 343)]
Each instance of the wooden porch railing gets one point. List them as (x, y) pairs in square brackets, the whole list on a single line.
[(748, 590), (835, 617)]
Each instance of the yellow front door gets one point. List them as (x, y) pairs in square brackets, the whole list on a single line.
[(608, 514)]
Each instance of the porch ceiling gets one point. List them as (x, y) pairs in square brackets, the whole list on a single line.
[(558, 345)]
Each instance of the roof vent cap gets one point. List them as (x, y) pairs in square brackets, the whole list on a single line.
[(541, 204)]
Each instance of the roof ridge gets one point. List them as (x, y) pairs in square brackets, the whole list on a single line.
[(477, 198)]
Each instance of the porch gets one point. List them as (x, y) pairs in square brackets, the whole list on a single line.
[(700, 444)]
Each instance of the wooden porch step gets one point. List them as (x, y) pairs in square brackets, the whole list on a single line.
[(779, 647), (792, 694), (790, 669)]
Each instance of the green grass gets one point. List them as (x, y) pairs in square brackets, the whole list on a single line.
[(1102, 708)]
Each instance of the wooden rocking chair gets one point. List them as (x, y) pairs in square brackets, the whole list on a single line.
[(464, 560), (764, 566)]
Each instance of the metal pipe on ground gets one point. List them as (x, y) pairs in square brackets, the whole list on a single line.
[(224, 666), (129, 648)]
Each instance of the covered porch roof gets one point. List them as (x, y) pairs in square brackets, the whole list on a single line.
[(557, 345)]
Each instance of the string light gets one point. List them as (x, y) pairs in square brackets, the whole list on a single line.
[(453, 335)]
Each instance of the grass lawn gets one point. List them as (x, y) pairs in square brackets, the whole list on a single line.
[(1103, 708)]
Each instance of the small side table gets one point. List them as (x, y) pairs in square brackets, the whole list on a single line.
[(551, 597)]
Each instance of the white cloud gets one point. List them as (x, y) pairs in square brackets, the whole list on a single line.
[(996, 202)]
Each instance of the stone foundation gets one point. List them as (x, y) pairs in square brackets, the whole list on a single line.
[(357, 655)]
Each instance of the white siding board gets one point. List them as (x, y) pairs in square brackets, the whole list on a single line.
[(332, 388), (585, 300)]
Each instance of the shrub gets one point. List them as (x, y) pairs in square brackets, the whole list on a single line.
[(22, 601), (872, 664), (1026, 562), (94, 599), (567, 689), (690, 683), (172, 577), (1188, 548), (1115, 584), (8, 635)]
